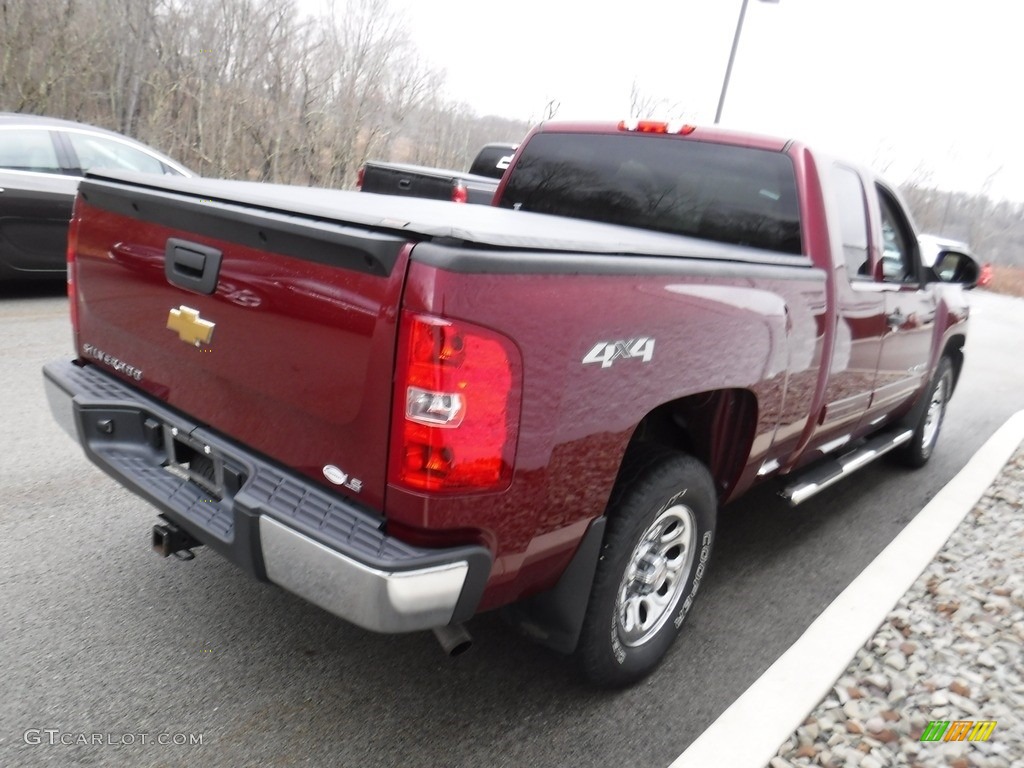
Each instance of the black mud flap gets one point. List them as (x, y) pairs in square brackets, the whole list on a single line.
[(554, 618)]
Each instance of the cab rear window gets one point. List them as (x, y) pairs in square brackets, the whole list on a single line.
[(712, 191)]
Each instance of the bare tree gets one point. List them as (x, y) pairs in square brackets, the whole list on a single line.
[(645, 105), (239, 88)]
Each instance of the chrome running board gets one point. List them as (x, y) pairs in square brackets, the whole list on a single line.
[(821, 476)]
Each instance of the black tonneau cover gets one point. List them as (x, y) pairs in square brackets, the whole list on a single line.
[(434, 219)]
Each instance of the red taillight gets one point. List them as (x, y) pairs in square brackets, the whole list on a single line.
[(653, 126), (456, 412), (72, 253), (360, 174), (459, 193)]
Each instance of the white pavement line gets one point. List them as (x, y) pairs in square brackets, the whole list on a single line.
[(748, 734)]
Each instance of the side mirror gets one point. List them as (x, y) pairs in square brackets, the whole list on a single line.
[(956, 267)]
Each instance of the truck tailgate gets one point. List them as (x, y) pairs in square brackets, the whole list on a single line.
[(274, 329), (407, 180)]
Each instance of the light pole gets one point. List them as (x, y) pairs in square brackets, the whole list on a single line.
[(732, 58)]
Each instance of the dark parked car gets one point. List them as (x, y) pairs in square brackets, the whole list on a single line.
[(42, 159)]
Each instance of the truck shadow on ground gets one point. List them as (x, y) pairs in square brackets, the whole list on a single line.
[(290, 670), (273, 680)]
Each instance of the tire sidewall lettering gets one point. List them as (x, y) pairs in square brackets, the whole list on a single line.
[(698, 574), (618, 651)]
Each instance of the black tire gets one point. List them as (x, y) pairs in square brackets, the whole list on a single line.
[(926, 430), (645, 580)]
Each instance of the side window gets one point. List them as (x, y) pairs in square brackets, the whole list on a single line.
[(28, 149), (853, 221), (898, 262), (100, 152)]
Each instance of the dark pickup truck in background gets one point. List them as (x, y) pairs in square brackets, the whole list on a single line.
[(476, 186), (423, 410)]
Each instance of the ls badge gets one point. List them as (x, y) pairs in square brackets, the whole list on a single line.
[(190, 328)]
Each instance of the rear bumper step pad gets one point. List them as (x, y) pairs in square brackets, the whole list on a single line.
[(275, 524)]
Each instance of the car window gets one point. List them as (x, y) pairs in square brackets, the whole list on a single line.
[(96, 152), (28, 149), (898, 263)]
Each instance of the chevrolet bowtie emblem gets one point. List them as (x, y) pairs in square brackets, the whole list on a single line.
[(190, 328)]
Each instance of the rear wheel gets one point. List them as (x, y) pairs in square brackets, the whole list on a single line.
[(926, 431), (661, 522)]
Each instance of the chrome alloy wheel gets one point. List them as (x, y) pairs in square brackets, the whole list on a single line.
[(933, 419), (655, 576)]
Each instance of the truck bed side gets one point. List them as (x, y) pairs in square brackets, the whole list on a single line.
[(735, 350)]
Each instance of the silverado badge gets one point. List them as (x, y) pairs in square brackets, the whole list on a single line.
[(190, 328)]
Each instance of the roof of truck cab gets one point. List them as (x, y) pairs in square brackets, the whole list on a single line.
[(700, 133)]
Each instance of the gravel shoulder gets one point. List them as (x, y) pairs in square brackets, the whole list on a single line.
[(951, 650)]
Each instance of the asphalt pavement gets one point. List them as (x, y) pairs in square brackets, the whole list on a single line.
[(140, 658)]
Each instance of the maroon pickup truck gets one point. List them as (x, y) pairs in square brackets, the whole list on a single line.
[(409, 412)]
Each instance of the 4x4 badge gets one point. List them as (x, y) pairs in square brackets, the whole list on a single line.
[(189, 326), (607, 352)]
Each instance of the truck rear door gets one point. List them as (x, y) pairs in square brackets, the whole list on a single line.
[(910, 307), (885, 317), (860, 307), (274, 329)]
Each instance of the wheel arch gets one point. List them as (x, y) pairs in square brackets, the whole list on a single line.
[(716, 427), (954, 350)]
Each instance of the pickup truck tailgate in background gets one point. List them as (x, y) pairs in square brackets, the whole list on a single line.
[(275, 329), (408, 180)]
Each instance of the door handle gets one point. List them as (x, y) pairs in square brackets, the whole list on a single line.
[(896, 319)]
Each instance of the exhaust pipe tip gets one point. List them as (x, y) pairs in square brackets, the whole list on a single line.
[(454, 639)]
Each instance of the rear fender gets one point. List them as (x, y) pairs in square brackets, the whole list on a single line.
[(717, 428)]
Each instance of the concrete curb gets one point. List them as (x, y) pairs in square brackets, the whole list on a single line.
[(749, 732)]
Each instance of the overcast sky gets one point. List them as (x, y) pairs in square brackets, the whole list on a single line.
[(906, 85)]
